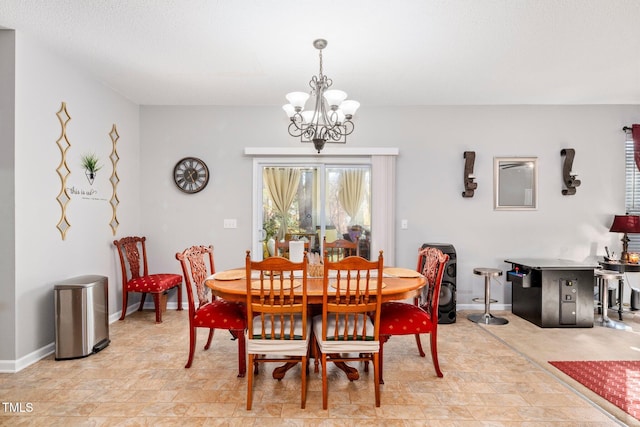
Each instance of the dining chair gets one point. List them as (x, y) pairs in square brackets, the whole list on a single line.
[(132, 252), (340, 248), (278, 328), (421, 317), (348, 328), (205, 312)]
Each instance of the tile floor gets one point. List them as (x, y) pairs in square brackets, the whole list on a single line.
[(493, 375)]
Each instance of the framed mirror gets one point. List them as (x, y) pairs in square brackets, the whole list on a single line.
[(515, 181)]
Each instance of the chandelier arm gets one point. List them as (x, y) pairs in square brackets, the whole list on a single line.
[(294, 129), (348, 127)]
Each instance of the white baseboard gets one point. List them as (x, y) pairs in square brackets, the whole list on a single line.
[(480, 307), (13, 366)]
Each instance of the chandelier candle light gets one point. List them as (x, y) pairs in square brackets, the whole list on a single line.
[(330, 120)]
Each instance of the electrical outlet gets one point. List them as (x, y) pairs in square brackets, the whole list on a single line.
[(230, 223)]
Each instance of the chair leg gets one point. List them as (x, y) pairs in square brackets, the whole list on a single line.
[(304, 382), (180, 297), (316, 351), (156, 304), (124, 304), (208, 344), (250, 384), (242, 358), (434, 354), (376, 377), (420, 350), (325, 390), (144, 296), (383, 339), (192, 345)]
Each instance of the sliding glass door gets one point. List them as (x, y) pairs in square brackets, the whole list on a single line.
[(311, 202)]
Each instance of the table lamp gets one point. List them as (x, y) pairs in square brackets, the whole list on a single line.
[(625, 224)]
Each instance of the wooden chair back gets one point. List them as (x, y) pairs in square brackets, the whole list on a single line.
[(197, 264), (340, 249), (431, 264), (276, 292), (133, 257)]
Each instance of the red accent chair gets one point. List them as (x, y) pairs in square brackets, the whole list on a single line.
[(398, 318), (214, 314), (136, 277)]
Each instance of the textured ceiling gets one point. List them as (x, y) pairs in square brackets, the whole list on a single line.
[(381, 52)]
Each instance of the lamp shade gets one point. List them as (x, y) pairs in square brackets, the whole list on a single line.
[(625, 224), (349, 107), (297, 99)]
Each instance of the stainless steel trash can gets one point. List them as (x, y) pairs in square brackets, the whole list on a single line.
[(82, 316), (635, 299)]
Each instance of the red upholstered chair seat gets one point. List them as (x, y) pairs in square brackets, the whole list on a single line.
[(221, 314), (154, 283), (398, 318)]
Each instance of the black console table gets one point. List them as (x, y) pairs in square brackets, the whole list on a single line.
[(552, 293)]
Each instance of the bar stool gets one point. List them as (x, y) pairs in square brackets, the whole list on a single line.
[(487, 318), (602, 280)]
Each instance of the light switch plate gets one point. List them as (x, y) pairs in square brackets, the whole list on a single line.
[(230, 223)]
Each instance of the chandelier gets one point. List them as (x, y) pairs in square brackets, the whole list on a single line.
[(330, 120)]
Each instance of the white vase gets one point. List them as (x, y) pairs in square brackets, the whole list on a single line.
[(271, 246)]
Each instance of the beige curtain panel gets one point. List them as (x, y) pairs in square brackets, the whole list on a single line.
[(351, 191), (282, 186)]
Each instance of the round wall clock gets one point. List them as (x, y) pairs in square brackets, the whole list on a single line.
[(191, 175)]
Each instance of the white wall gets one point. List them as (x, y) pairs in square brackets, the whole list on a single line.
[(7, 193), (43, 82), (429, 180)]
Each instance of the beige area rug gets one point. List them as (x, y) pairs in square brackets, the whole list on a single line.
[(541, 345)]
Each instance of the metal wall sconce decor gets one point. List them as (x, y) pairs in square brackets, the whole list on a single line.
[(469, 178), (569, 177)]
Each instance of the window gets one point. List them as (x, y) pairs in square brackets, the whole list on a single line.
[(632, 189), (312, 202), (316, 206)]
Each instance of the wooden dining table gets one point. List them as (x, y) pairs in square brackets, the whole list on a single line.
[(231, 285), (394, 288)]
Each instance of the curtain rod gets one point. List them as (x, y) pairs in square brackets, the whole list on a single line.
[(626, 129)]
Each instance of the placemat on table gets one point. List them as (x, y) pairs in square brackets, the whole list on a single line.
[(400, 272), (230, 275)]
